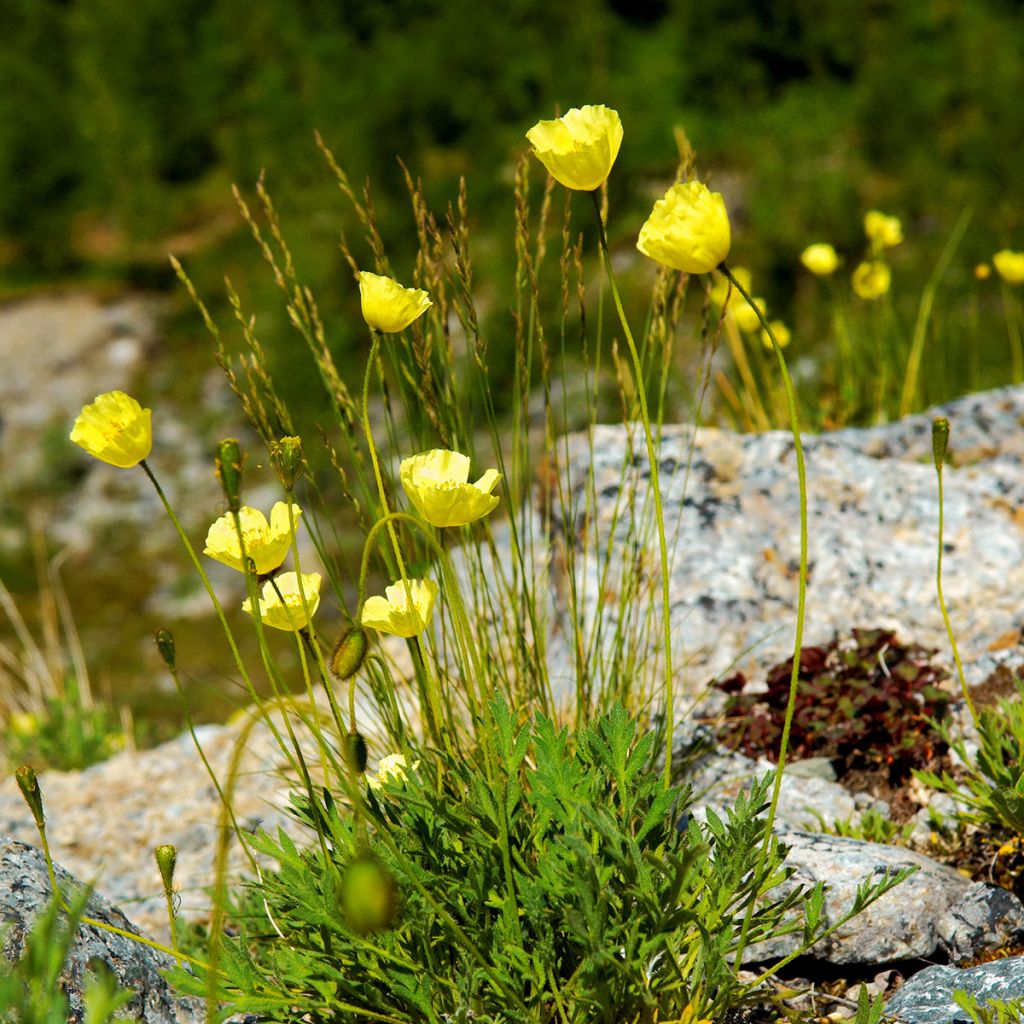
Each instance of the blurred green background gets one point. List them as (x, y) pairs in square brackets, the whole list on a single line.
[(123, 126)]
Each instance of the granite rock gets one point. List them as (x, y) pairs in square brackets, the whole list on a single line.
[(934, 912), (731, 510), (927, 997)]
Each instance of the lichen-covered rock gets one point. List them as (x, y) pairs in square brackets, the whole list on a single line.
[(24, 895), (935, 911), (927, 998)]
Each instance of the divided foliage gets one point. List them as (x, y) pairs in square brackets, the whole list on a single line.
[(602, 910), (872, 704)]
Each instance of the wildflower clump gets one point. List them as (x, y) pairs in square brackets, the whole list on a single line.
[(437, 484), (387, 306), (579, 148), (115, 429), (688, 229), (265, 543)]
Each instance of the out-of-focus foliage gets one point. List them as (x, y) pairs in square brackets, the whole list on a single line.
[(114, 116)]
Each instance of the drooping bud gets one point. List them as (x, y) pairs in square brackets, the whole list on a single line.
[(166, 859), (229, 471), (940, 440), (367, 895), (165, 645), (356, 751), (288, 461), (349, 654), (29, 786)]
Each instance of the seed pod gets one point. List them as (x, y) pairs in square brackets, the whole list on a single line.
[(349, 654), (229, 471)]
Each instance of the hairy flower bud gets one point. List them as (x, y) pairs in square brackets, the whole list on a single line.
[(28, 783), (356, 751), (166, 859), (286, 455), (165, 645), (349, 654), (940, 440)]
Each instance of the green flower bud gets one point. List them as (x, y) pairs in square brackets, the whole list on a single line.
[(29, 786), (166, 859), (286, 456), (349, 654), (367, 895), (229, 471), (940, 440), (165, 645)]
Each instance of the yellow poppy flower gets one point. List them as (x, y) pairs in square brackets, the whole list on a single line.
[(982, 272), (871, 280), (1009, 266), (393, 766), (820, 259), (883, 231), (265, 543), (580, 147), (115, 429), (288, 614), (387, 306), (436, 483), (782, 333), (396, 613), (687, 230)]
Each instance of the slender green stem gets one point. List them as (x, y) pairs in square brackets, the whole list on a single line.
[(666, 608), (945, 614), (801, 595), (924, 313)]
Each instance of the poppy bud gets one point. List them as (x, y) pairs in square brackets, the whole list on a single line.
[(349, 654), (940, 440), (229, 471)]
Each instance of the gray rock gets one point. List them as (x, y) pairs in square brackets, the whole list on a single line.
[(927, 998), (24, 894), (732, 521), (934, 912)]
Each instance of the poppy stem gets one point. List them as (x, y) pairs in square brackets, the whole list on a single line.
[(666, 609), (794, 677)]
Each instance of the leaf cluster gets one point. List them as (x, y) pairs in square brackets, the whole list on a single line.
[(865, 705), (546, 879), (992, 784)]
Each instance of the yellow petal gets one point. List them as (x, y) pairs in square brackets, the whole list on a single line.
[(687, 230), (883, 231), (387, 306), (115, 429), (281, 603), (871, 280), (579, 148), (395, 613), (435, 482), (266, 544)]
